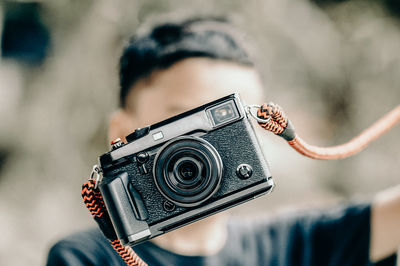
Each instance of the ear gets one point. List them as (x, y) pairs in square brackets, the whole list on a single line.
[(121, 124)]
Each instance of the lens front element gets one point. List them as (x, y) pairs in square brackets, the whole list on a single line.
[(187, 171)]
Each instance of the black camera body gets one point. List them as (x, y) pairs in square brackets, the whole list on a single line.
[(183, 169)]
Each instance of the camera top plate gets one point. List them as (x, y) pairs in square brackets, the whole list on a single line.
[(202, 119)]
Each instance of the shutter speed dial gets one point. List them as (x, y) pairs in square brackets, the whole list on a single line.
[(138, 133)]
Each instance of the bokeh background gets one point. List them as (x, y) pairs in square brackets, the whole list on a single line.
[(333, 65)]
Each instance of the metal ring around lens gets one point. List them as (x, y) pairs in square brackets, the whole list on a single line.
[(211, 160)]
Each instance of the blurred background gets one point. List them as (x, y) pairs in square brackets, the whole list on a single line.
[(332, 65)]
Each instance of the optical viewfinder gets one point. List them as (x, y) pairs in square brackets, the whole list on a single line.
[(223, 113)]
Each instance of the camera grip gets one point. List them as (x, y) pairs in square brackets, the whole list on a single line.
[(126, 214)]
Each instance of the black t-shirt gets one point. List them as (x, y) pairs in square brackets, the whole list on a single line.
[(334, 237)]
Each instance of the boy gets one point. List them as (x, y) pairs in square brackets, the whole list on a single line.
[(176, 67)]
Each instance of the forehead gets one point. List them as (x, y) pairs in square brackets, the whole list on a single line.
[(190, 83)]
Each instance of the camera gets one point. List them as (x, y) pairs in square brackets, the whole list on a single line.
[(183, 169)]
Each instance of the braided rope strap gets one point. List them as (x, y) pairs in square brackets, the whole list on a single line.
[(94, 202), (279, 124)]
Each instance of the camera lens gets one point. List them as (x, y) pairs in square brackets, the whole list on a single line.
[(187, 171)]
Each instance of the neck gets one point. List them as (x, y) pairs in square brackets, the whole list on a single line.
[(202, 238)]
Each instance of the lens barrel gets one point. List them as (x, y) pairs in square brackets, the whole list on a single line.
[(187, 171)]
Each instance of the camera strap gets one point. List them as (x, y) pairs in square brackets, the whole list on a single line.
[(271, 117), (94, 202)]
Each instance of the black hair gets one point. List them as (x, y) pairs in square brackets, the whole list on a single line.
[(169, 43)]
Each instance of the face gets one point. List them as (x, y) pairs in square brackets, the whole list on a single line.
[(183, 86)]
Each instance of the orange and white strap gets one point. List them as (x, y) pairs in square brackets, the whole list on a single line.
[(94, 202), (272, 118)]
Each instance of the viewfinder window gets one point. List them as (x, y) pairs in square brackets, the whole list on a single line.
[(223, 113)]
